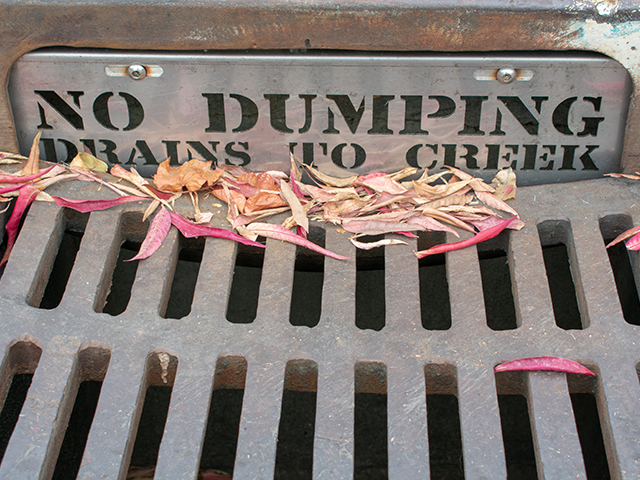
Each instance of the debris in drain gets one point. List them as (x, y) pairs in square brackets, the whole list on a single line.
[(554, 364), (373, 204)]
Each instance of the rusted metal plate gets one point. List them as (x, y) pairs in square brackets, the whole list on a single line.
[(553, 118)]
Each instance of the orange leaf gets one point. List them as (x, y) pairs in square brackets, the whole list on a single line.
[(194, 175), (263, 200)]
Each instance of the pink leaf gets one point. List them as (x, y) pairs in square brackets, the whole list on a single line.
[(155, 236), (191, 230), (26, 196), (85, 206), (624, 235), (555, 364), (634, 242), (480, 237), (295, 187), (280, 233), (12, 188), (492, 221), (8, 178)]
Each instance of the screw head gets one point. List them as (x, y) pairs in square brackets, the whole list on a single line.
[(506, 75), (137, 72)]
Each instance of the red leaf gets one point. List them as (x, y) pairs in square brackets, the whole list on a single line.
[(7, 178), (190, 230), (85, 206), (480, 237), (155, 236), (554, 364), (278, 232), (26, 196)]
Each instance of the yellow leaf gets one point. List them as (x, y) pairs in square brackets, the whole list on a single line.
[(88, 162)]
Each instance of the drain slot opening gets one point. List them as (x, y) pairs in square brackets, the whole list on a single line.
[(223, 424), (370, 291), (517, 434), (294, 455), (161, 372), (78, 428), (495, 270), (623, 264), (66, 240), (562, 274), (185, 277), (443, 422), (16, 373), (370, 422), (90, 370), (308, 279), (245, 286), (435, 305), (587, 403), (122, 273)]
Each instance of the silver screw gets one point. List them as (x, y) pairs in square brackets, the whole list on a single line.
[(506, 75), (137, 72)]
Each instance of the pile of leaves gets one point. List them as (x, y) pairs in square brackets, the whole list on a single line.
[(373, 204)]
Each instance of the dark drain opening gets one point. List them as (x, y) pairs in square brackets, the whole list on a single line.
[(185, 277), (517, 434), (496, 283), (245, 286), (308, 279), (559, 262), (151, 427), (75, 437), (160, 375), (83, 389), (435, 306), (370, 422), (16, 373), (122, 281), (12, 407), (119, 274), (370, 291), (584, 393), (223, 423), (294, 455), (623, 272), (72, 224), (443, 423)]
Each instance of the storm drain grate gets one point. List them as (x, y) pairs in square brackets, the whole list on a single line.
[(280, 363)]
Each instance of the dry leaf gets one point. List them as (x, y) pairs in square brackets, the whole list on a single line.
[(150, 209), (379, 243), (299, 214), (192, 175), (262, 201), (32, 167), (88, 162)]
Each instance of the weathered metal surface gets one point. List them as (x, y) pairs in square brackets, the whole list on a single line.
[(403, 360), (610, 27), (559, 118)]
